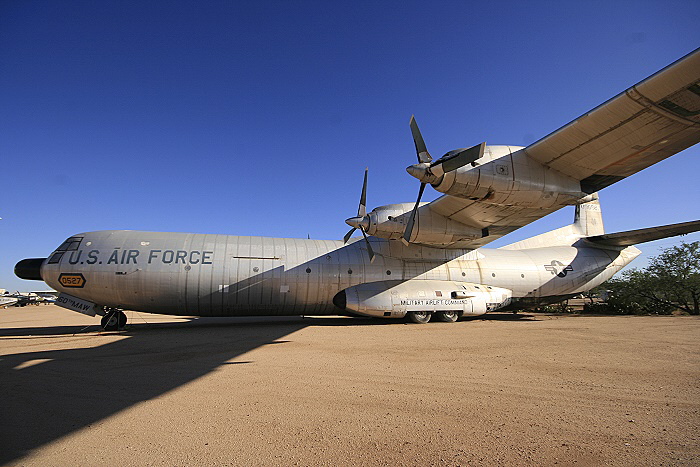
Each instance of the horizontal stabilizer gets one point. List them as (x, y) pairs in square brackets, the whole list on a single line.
[(632, 237)]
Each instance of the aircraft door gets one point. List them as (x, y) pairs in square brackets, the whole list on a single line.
[(270, 283), (254, 284), (236, 291), (329, 285), (252, 289)]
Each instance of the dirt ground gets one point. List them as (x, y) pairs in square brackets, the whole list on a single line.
[(501, 389)]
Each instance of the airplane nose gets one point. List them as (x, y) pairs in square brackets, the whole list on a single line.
[(29, 269)]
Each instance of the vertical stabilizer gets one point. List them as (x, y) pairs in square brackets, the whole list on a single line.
[(588, 221), (589, 218)]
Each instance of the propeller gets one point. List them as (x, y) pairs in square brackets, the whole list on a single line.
[(361, 221), (429, 171), (423, 155)]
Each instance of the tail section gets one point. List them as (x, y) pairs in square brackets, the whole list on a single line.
[(632, 237), (588, 221), (588, 225)]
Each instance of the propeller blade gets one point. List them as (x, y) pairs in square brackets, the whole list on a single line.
[(421, 150), (460, 157), (362, 208), (370, 251), (349, 234), (354, 222), (409, 227)]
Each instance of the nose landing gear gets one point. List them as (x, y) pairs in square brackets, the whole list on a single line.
[(113, 320)]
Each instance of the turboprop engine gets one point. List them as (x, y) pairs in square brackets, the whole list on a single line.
[(395, 299), (390, 222), (498, 175), (503, 175)]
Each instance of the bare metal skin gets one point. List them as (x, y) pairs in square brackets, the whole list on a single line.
[(217, 275)]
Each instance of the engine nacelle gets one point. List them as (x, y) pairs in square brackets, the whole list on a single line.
[(390, 222), (506, 175), (393, 299)]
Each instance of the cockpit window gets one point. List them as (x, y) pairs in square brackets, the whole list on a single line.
[(71, 244), (56, 257)]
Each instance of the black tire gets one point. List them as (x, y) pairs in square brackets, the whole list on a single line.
[(114, 320), (419, 317), (109, 321), (447, 316), (121, 320)]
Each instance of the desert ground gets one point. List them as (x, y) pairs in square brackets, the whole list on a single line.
[(500, 389)]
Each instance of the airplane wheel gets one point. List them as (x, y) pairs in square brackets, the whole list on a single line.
[(447, 316), (114, 320), (121, 317), (419, 317), (109, 321)]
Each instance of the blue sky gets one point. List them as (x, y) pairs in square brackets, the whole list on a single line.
[(258, 118)]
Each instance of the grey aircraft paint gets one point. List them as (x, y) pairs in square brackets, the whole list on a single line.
[(218, 275)]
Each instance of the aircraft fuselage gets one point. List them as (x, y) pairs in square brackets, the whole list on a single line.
[(221, 275)]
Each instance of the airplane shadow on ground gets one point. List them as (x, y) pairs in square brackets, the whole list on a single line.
[(506, 316), (71, 389)]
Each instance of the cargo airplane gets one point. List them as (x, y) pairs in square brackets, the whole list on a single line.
[(417, 260)]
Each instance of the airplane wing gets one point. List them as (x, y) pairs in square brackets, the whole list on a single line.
[(648, 122), (494, 220), (639, 127)]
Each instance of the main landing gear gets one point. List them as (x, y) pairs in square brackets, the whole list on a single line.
[(448, 316), (422, 317), (113, 320), (419, 317)]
